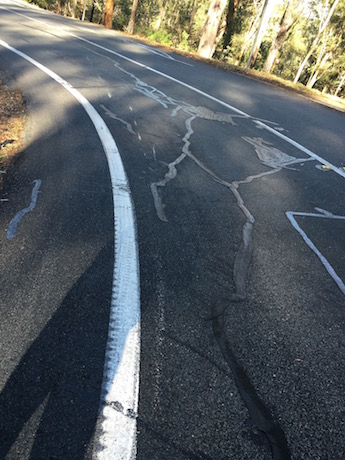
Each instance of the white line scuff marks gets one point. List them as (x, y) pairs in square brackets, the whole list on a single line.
[(116, 431)]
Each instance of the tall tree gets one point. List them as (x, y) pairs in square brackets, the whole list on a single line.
[(131, 24), (161, 15), (253, 14), (229, 30), (209, 32), (289, 18), (339, 87), (108, 14), (266, 14), (325, 17), (191, 20)]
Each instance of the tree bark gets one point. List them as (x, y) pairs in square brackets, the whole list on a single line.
[(108, 14), (209, 32), (73, 8), (131, 24)]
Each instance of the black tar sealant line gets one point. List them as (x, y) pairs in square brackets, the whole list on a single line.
[(258, 411)]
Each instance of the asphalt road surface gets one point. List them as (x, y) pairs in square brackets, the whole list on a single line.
[(228, 197)]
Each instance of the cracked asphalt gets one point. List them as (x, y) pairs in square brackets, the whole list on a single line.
[(242, 323)]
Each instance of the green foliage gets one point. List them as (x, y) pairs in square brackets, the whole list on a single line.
[(160, 36), (122, 13), (45, 4), (292, 54), (326, 65)]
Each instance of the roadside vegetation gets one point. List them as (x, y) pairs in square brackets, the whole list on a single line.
[(299, 41), (12, 123)]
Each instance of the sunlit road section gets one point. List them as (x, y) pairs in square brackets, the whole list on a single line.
[(225, 197)]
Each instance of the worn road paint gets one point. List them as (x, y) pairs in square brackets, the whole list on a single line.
[(271, 156), (13, 225), (323, 215), (300, 147), (116, 430)]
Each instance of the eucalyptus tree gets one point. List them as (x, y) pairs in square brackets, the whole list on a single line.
[(131, 24), (325, 11), (108, 14), (209, 32), (291, 13)]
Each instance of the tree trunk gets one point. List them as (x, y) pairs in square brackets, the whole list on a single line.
[(288, 20), (250, 34), (92, 10), (322, 27), (320, 62), (266, 15), (131, 24), (229, 31), (342, 81), (209, 32), (161, 15), (306, 59), (73, 8), (195, 6), (108, 14)]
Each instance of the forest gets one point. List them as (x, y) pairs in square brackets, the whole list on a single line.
[(302, 41)]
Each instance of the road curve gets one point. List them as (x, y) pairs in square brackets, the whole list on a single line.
[(239, 206)]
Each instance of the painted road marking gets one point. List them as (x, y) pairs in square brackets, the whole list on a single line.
[(202, 93), (323, 215), (13, 225), (116, 430)]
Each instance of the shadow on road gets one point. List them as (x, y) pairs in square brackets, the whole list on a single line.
[(60, 375)]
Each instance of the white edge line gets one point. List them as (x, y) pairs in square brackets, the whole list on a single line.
[(202, 93), (117, 430), (290, 215), (219, 101)]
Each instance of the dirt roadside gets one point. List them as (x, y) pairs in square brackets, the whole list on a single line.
[(13, 116)]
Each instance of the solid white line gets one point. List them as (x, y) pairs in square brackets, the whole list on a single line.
[(290, 215), (119, 405), (299, 146)]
